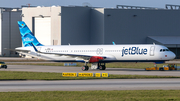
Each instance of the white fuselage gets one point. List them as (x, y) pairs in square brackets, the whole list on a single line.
[(113, 53)]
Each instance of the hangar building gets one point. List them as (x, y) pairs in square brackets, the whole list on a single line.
[(9, 31), (61, 25)]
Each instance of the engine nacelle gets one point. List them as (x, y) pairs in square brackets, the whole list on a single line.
[(95, 59)]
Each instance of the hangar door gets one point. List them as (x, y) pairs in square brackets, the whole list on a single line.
[(42, 30)]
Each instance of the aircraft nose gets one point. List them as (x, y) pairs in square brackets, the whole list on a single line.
[(173, 55)]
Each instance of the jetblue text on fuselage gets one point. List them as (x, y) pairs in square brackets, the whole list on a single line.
[(134, 51)]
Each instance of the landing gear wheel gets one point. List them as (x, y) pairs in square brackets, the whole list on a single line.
[(102, 67), (84, 68), (87, 68)]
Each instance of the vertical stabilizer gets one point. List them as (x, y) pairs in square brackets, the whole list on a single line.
[(27, 36)]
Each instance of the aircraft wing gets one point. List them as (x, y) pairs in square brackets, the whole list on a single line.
[(90, 58)]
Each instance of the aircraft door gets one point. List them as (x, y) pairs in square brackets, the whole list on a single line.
[(152, 50)]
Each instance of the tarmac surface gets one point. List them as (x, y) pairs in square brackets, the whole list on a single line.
[(84, 85)]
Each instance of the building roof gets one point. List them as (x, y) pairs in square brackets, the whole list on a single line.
[(166, 39)]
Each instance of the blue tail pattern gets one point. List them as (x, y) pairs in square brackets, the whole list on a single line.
[(27, 36)]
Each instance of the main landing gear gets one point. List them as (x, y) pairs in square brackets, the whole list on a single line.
[(100, 66)]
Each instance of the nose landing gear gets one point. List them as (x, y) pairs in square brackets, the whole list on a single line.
[(84, 68)]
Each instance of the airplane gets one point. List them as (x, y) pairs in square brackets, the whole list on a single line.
[(97, 55)]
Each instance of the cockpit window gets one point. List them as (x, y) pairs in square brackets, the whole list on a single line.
[(163, 50)]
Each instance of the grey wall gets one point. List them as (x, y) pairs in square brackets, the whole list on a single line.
[(127, 26), (151, 41), (75, 25), (10, 32), (97, 26), (16, 40), (5, 33)]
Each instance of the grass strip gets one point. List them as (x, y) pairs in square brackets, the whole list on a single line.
[(125, 95), (18, 75)]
